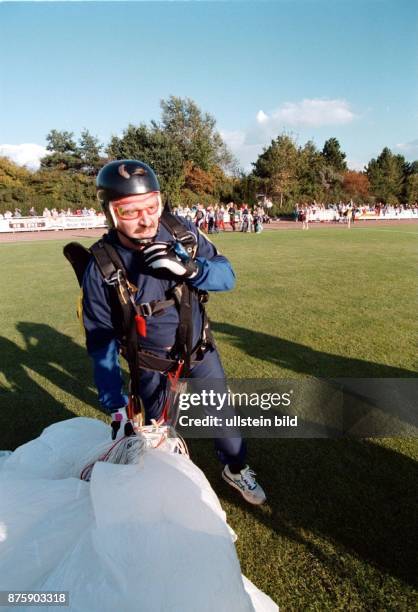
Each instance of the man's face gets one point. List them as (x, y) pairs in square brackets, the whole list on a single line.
[(137, 216)]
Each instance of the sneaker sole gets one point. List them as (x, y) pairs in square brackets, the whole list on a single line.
[(250, 500)]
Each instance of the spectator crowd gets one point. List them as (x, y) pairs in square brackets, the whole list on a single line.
[(218, 218), (349, 211), (52, 213)]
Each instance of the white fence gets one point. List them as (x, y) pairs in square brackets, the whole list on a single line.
[(38, 224), (329, 215)]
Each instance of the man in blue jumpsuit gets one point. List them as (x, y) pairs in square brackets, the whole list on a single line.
[(129, 193)]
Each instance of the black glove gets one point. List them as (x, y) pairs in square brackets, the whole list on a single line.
[(169, 260)]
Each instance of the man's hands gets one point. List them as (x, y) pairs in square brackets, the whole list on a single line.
[(121, 425), (168, 260)]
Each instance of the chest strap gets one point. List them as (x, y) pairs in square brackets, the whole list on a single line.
[(155, 307)]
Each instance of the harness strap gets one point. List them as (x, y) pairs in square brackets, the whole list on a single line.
[(114, 274), (155, 307), (173, 225), (107, 259), (149, 361), (184, 338), (179, 231)]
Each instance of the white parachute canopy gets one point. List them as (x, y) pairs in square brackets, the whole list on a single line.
[(144, 537)]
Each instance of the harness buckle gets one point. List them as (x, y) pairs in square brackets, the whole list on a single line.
[(203, 297), (146, 309), (115, 279)]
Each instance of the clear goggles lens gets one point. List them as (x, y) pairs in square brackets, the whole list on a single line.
[(134, 210)]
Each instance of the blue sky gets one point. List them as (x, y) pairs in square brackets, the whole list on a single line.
[(315, 68)]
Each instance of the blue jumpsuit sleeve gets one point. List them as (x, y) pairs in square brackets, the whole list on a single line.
[(102, 345), (216, 273)]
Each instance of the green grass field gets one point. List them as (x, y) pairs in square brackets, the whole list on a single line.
[(339, 531)]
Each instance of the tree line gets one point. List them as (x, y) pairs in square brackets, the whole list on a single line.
[(194, 165)]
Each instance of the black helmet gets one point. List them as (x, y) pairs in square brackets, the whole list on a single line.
[(124, 177)]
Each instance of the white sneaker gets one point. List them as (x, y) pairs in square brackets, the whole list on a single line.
[(246, 485)]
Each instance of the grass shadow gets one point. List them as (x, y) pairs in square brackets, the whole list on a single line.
[(27, 407), (303, 359), (364, 385), (360, 496), (357, 495)]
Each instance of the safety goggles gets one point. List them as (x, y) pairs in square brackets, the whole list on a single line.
[(131, 208)]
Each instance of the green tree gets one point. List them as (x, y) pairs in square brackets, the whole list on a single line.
[(387, 176), (64, 154), (412, 188), (277, 166), (154, 147), (15, 191), (223, 184), (12, 175), (194, 132), (413, 167), (89, 149), (332, 184), (310, 166), (333, 156), (61, 142), (246, 188)]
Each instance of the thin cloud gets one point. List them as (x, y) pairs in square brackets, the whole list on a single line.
[(245, 153), (409, 148), (313, 113), (309, 112), (353, 164), (27, 154)]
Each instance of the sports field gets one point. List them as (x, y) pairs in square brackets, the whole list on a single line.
[(340, 530)]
